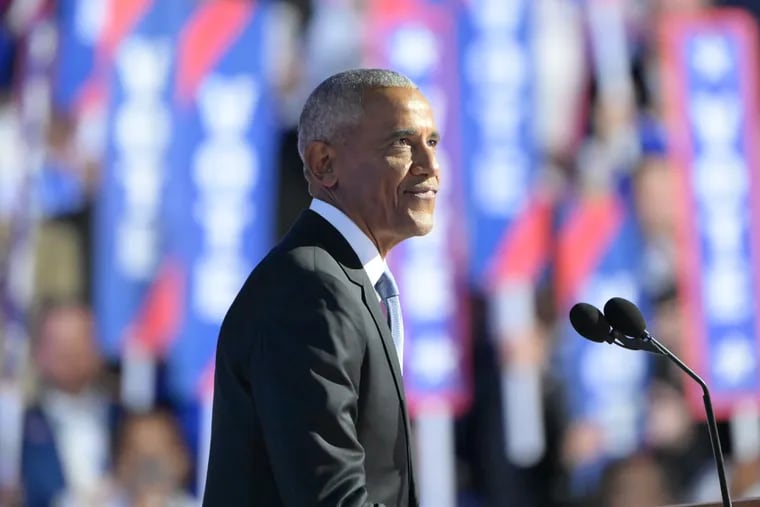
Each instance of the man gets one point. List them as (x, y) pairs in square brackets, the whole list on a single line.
[(309, 405), (67, 429)]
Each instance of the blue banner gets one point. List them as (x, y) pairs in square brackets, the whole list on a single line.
[(128, 224), (498, 158), (221, 209), (712, 89)]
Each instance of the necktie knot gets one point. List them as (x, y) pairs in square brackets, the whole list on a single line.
[(386, 285)]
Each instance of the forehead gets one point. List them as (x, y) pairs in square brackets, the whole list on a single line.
[(396, 107)]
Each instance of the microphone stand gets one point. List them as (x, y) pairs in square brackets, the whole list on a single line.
[(712, 426)]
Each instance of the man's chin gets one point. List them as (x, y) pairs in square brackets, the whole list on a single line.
[(423, 224), (424, 230)]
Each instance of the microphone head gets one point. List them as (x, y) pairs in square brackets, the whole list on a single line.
[(625, 317), (589, 322)]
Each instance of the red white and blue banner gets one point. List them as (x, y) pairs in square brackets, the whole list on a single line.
[(507, 222), (417, 39), (128, 247), (598, 257), (186, 206), (711, 94), (221, 209)]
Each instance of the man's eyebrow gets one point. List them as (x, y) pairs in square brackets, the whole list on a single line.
[(397, 134)]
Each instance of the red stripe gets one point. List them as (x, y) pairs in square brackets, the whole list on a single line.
[(123, 15), (208, 34), (392, 9), (159, 318), (747, 32), (93, 93), (525, 248), (206, 382), (384, 17), (583, 242)]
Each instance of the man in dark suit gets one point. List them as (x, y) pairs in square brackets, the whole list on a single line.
[(309, 405), (65, 448)]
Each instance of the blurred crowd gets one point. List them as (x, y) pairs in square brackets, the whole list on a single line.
[(80, 446)]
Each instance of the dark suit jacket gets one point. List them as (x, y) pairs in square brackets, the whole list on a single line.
[(42, 474), (41, 470), (309, 404)]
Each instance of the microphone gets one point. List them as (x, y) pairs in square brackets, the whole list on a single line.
[(589, 322), (626, 317)]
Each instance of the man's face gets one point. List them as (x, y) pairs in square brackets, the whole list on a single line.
[(66, 353), (386, 168), (152, 460)]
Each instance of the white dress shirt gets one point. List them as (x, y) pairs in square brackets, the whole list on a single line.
[(80, 425)]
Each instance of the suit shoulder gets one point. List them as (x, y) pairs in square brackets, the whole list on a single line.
[(296, 267), (286, 276)]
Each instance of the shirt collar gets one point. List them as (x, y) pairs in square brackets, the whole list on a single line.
[(373, 263)]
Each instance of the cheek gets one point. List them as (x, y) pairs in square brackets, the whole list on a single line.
[(395, 172)]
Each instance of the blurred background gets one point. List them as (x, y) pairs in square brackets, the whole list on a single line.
[(591, 149)]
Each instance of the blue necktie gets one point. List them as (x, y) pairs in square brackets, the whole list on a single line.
[(388, 290)]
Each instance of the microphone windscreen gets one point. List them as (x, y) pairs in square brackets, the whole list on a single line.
[(625, 317), (589, 322)]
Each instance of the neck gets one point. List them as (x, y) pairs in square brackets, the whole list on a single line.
[(382, 247)]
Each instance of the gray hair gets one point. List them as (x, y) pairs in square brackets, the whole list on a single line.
[(337, 103)]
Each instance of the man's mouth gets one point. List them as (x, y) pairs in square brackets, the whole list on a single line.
[(423, 192)]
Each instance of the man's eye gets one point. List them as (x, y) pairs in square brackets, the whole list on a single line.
[(404, 141), (433, 142)]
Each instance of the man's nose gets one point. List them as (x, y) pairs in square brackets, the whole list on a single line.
[(425, 162)]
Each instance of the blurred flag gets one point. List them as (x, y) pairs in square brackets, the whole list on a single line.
[(129, 245), (507, 221), (508, 218), (711, 93), (220, 205)]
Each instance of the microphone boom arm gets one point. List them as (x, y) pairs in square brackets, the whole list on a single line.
[(712, 428)]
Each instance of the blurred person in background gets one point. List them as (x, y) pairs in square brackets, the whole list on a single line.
[(655, 191), (151, 464), (67, 428), (680, 444), (309, 406), (635, 481)]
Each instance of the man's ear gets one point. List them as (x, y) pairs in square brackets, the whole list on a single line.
[(320, 157)]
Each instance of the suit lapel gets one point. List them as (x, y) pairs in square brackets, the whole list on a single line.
[(369, 297)]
